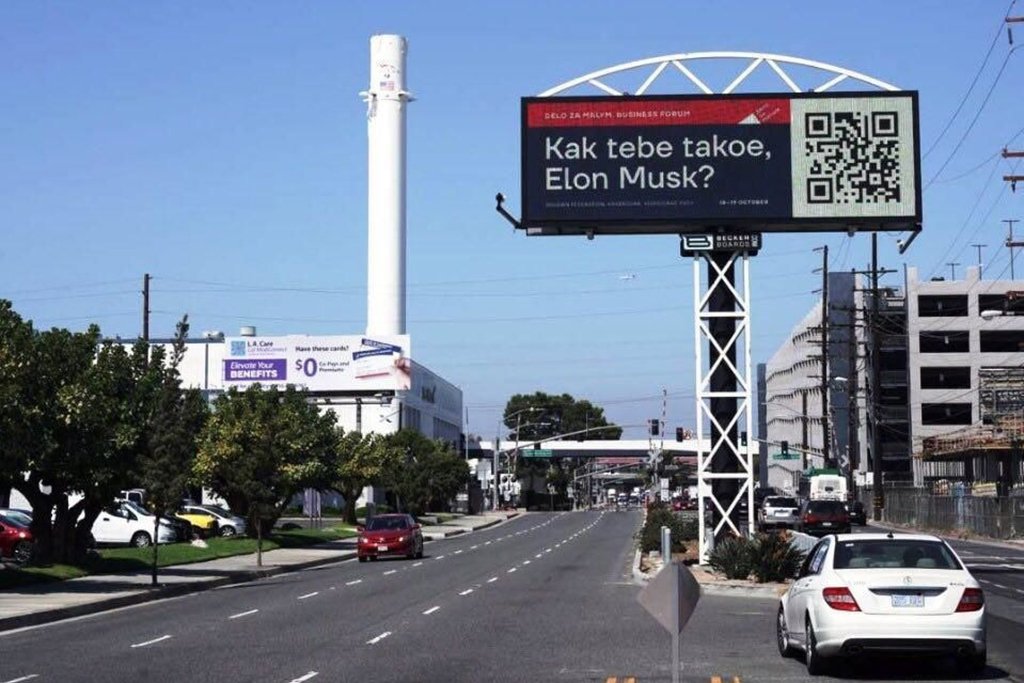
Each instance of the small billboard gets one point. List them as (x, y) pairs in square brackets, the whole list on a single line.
[(788, 162)]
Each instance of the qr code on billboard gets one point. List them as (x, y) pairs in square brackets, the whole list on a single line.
[(852, 157)]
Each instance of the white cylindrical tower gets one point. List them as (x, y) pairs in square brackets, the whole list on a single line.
[(385, 265)]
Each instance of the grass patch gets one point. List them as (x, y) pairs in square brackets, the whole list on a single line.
[(119, 560)]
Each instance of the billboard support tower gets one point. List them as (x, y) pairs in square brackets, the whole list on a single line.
[(725, 471)]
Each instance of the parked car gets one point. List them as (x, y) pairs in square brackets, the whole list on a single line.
[(23, 517), (125, 522), (779, 512), (677, 504), (864, 593), (858, 514), (16, 541), (824, 516), (201, 523), (228, 523), (389, 535)]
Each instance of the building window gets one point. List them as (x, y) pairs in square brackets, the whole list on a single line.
[(945, 342), (1000, 302), (1002, 341), (946, 378), (941, 306), (946, 413)]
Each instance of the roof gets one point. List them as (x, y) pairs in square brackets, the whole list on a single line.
[(886, 537)]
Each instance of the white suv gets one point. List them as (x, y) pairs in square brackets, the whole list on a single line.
[(124, 522), (779, 511)]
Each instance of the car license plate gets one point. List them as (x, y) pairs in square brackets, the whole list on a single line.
[(907, 600), (382, 548), (826, 523)]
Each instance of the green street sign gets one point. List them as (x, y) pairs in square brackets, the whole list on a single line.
[(537, 453), (785, 456)]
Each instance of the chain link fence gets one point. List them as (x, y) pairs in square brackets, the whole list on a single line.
[(996, 517)]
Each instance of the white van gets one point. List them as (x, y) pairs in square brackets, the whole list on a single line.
[(827, 487), (127, 523)]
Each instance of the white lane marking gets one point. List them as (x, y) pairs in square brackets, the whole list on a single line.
[(487, 543), (377, 639), (1019, 590), (456, 552), (305, 677), (417, 564), (475, 547), (466, 592), (539, 555), (390, 571), (526, 562), (999, 585), (333, 588), (23, 678), (984, 581), (352, 583), (547, 550), (432, 610), (150, 642), (439, 557), (511, 570), (243, 614), (309, 595), (495, 578)]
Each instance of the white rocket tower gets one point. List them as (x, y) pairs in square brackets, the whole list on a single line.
[(385, 265)]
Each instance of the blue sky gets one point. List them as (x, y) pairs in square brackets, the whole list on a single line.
[(221, 147)]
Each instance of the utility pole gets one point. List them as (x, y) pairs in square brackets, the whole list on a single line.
[(1010, 244), (852, 418), (826, 430), (1007, 154), (952, 269), (979, 247), (145, 307), (876, 350)]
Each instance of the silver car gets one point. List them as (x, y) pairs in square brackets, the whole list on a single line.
[(779, 512), (228, 523)]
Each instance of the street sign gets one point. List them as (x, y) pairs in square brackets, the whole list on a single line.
[(785, 456), (671, 597), (537, 452), (742, 241)]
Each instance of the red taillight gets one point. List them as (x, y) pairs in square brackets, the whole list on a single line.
[(810, 519), (971, 601), (841, 599)]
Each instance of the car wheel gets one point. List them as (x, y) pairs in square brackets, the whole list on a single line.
[(814, 661), (227, 531), (362, 558), (782, 634), (22, 553), (141, 539)]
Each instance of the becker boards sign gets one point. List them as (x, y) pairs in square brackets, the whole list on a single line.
[(326, 363), (781, 162)]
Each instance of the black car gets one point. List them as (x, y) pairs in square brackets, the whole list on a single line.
[(858, 514), (824, 517)]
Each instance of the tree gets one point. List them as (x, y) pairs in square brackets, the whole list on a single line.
[(428, 473), (166, 464), (358, 461), (259, 448), (541, 416)]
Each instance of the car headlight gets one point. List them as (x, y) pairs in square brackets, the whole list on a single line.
[(403, 539)]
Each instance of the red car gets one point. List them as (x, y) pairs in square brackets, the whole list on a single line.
[(15, 540), (390, 535)]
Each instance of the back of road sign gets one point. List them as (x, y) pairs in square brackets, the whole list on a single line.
[(671, 597)]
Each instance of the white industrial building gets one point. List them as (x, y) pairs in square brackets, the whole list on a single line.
[(966, 341)]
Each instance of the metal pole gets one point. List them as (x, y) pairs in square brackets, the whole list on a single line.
[(666, 545), (494, 468), (1010, 243), (825, 432), (878, 495), (979, 247), (145, 307)]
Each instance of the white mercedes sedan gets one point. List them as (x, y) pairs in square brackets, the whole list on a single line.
[(883, 593)]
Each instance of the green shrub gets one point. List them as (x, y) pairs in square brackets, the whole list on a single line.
[(649, 536), (732, 557), (382, 509), (774, 558)]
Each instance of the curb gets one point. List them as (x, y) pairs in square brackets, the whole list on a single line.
[(762, 592), (638, 575), (150, 595)]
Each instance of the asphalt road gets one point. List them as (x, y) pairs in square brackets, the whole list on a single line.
[(543, 597)]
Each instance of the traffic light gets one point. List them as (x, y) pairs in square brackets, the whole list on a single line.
[(654, 426), (679, 434), (785, 447)]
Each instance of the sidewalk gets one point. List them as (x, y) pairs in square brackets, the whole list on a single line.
[(46, 602)]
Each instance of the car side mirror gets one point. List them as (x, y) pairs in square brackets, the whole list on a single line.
[(417, 526)]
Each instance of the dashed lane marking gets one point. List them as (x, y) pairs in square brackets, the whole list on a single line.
[(456, 552), (390, 571), (475, 547), (23, 678), (243, 614), (377, 639), (352, 583), (492, 579), (305, 677), (431, 610), (526, 562), (439, 557), (309, 595), (466, 592), (150, 642), (539, 555), (511, 570), (417, 564)]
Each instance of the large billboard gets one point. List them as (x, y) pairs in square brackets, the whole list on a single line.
[(779, 162), (323, 363)]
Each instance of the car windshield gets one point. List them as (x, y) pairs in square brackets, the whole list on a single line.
[(894, 553), (825, 507), (215, 510), (136, 508), (778, 502), (14, 520), (386, 524)]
